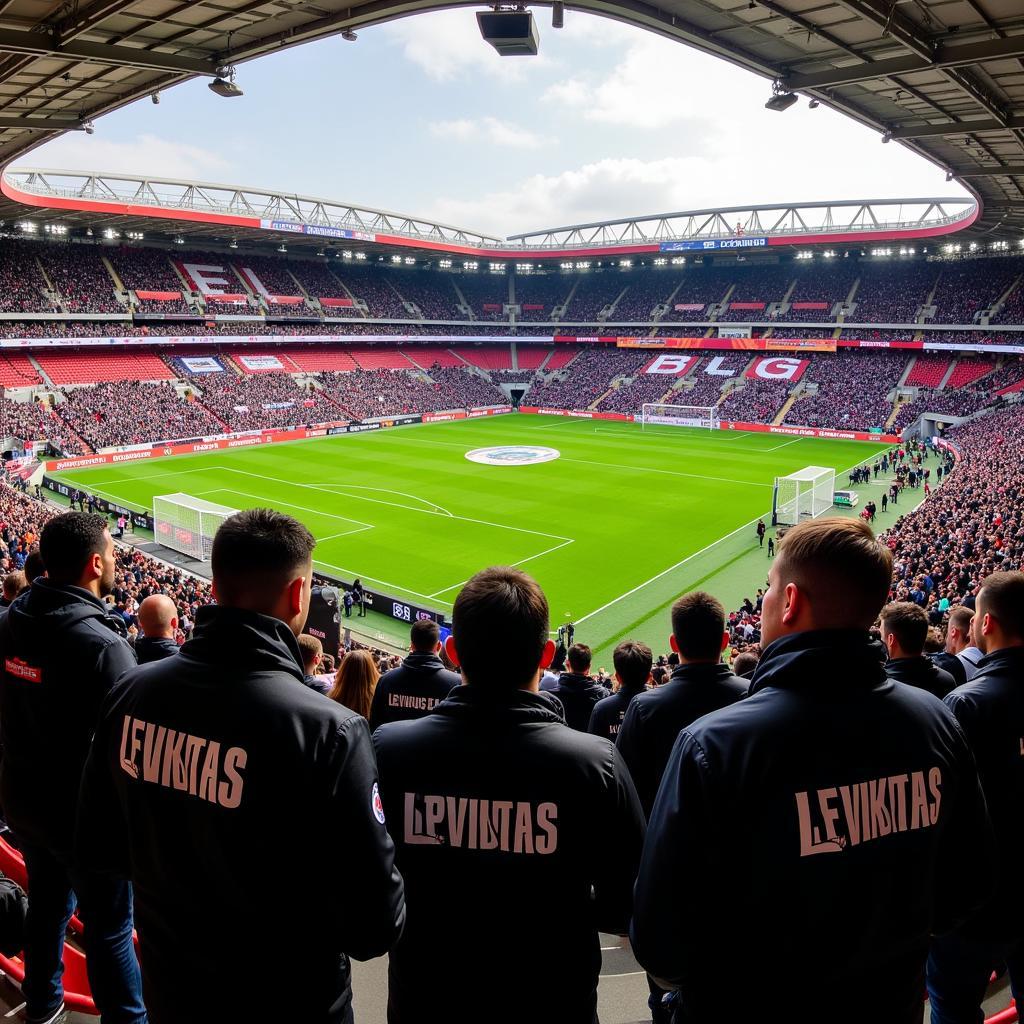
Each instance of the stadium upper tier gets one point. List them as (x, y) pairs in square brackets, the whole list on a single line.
[(59, 279)]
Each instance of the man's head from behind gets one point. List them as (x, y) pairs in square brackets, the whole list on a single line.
[(14, 583), (829, 574), (312, 653), (633, 663), (262, 561), (78, 551), (500, 630), (698, 628), (904, 629), (424, 637), (158, 617), (958, 631), (999, 612), (579, 659)]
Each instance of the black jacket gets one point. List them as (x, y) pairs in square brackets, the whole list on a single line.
[(578, 694), (149, 649), (807, 841), (921, 672), (990, 710), (60, 653), (608, 713), (241, 804), (412, 689), (519, 840), (654, 719), (953, 665)]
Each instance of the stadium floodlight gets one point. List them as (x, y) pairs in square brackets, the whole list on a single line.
[(558, 14), (349, 36), (814, 104), (657, 413), (781, 101), (156, 98), (224, 84), (886, 138), (806, 494), (88, 127), (512, 33)]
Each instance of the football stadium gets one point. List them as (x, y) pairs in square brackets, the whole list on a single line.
[(401, 621)]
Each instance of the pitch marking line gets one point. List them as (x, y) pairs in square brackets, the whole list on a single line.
[(384, 583), (386, 490), (360, 526), (392, 504), (785, 444), (669, 472), (522, 561)]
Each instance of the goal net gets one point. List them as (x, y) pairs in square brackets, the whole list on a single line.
[(679, 415), (187, 524), (806, 494)]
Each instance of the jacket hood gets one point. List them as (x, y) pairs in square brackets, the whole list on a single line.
[(575, 681), (822, 658), (1008, 657), (46, 609), (420, 661), (700, 670), (519, 706), (245, 640)]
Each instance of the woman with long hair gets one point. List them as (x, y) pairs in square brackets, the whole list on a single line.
[(355, 682)]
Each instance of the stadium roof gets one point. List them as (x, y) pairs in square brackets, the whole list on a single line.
[(943, 77)]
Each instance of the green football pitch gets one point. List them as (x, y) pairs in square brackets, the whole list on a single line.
[(615, 528)]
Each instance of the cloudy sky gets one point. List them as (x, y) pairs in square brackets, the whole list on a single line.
[(422, 117)]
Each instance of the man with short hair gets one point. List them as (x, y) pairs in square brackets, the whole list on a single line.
[(576, 690), (990, 710), (60, 652), (158, 620), (834, 813), (311, 650), (14, 583), (701, 684), (904, 631), (971, 654), (418, 684), (517, 837), (194, 755), (632, 662)]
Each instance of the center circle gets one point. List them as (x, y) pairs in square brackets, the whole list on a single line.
[(513, 455)]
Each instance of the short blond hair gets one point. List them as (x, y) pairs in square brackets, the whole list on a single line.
[(841, 567)]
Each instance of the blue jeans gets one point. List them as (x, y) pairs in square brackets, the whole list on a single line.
[(105, 907), (959, 968)]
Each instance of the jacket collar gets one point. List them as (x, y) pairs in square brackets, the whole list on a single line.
[(518, 706), (423, 659), (820, 658), (243, 639), (576, 681), (699, 671), (1008, 657)]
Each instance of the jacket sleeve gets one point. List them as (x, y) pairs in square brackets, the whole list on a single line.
[(666, 941), (629, 743), (377, 706), (594, 728), (624, 828), (968, 852), (101, 835), (371, 913), (114, 660)]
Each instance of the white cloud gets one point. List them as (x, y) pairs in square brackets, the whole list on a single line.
[(488, 130), (145, 154), (447, 45)]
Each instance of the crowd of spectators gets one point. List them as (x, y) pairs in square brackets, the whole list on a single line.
[(588, 377), (888, 296), (757, 401), (593, 293), (962, 402), (432, 294), (22, 285), (630, 396), (36, 421), (81, 279), (544, 290), (132, 412), (967, 288), (258, 401)]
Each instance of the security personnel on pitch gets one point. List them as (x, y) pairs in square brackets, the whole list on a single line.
[(518, 837), (418, 684), (243, 805), (807, 841)]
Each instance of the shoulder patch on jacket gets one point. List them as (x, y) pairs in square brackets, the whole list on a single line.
[(23, 670)]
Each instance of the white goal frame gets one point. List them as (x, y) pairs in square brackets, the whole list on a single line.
[(805, 494), (187, 524), (661, 414)]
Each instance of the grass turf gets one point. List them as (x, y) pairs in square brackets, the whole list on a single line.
[(615, 529)]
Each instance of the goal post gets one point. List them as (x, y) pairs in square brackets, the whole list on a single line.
[(805, 494), (187, 524), (657, 413)]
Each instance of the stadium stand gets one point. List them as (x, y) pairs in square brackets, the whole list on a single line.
[(968, 371), (150, 270), (966, 289), (17, 371), (928, 371), (758, 401), (595, 291), (86, 367), (892, 298), (22, 284), (81, 278), (531, 357), (491, 357), (254, 402), (546, 291), (482, 291)]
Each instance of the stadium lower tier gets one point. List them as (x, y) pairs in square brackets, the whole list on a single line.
[(83, 401)]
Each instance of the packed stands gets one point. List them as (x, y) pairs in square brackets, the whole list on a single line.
[(707, 387), (374, 288), (82, 279), (22, 284), (763, 285), (130, 412), (1010, 374), (966, 289), (486, 294), (320, 282), (588, 377), (88, 367), (964, 402), (255, 402), (630, 397), (887, 297), (150, 270), (700, 286), (432, 294), (593, 292), (645, 292), (544, 290), (757, 401)]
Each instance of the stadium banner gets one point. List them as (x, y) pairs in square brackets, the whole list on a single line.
[(869, 343), (733, 344), (261, 362), (671, 364), (809, 305), (838, 435), (777, 368), (944, 346), (157, 296), (348, 303), (583, 414), (534, 307), (228, 298), (747, 305), (170, 341), (688, 307), (138, 519), (201, 364), (284, 300), (715, 244), (318, 230), (734, 332), (492, 307)]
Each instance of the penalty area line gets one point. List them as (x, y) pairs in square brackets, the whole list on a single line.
[(522, 561)]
